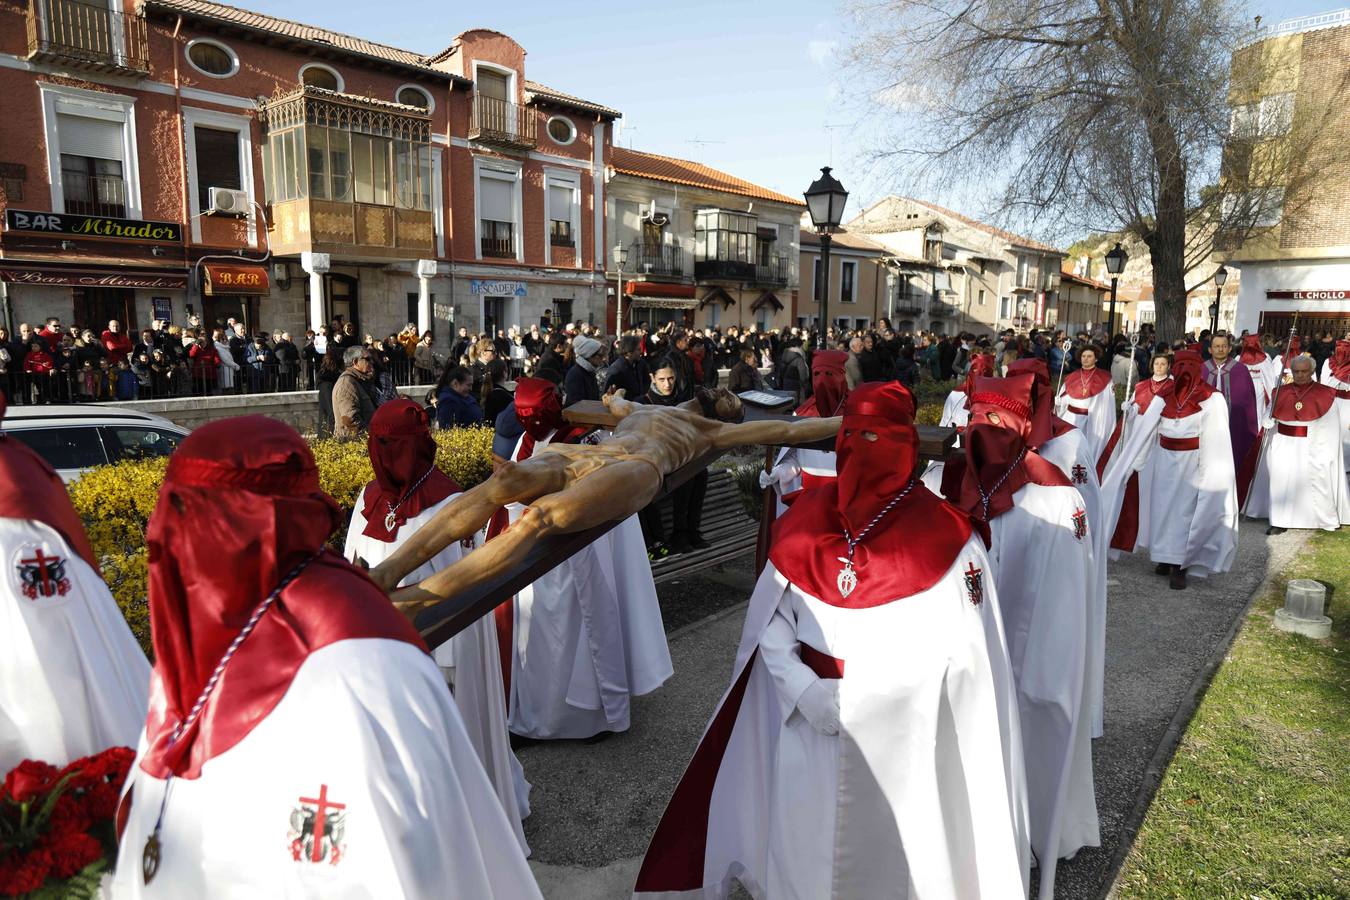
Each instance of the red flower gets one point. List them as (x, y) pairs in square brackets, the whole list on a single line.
[(72, 851), (30, 779), (25, 874)]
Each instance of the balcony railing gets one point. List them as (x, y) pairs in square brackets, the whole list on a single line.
[(94, 195), (909, 304), (774, 271), (88, 36), (560, 234), (502, 122), (656, 259), (940, 309)]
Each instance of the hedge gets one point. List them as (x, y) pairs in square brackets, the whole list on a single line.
[(115, 503)]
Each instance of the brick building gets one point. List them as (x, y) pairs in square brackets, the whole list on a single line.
[(166, 157), (702, 247), (1290, 98)]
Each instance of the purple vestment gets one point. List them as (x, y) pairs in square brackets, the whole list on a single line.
[(1234, 381)]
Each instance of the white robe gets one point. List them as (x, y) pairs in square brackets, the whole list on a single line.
[(1044, 572), (366, 723), (588, 637), (1190, 516), (1342, 404), (920, 795), (476, 680), (954, 412), (1300, 481), (1071, 455), (792, 464), (1100, 420), (73, 680)]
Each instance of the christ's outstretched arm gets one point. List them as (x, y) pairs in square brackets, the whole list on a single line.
[(775, 431)]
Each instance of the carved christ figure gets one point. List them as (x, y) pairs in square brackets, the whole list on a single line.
[(573, 487)]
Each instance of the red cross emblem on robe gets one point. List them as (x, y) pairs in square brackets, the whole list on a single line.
[(1079, 523), (974, 584), (41, 575), (1079, 474), (317, 829)]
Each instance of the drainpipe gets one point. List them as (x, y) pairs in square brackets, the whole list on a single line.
[(191, 292)]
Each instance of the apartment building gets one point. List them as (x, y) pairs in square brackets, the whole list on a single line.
[(863, 283), (1290, 99), (170, 157), (698, 246), (976, 278)]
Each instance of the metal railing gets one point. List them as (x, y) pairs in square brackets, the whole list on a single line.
[(1296, 26), (502, 122), (776, 271), (94, 195), (497, 248), (656, 259), (88, 35)]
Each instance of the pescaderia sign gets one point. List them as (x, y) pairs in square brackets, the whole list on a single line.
[(70, 225)]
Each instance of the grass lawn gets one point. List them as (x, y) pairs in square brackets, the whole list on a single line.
[(1256, 802)]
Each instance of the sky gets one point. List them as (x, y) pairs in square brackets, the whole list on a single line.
[(747, 86)]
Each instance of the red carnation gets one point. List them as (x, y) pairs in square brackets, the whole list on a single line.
[(30, 779), (27, 874), (72, 851)]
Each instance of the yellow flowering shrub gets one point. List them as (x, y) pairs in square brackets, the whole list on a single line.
[(115, 503)]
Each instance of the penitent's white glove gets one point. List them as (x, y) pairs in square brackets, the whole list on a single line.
[(781, 474), (819, 705), (766, 479)]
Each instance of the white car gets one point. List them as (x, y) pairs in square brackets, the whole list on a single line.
[(73, 439)]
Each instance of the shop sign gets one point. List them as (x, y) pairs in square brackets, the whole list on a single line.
[(91, 278), (163, 310), (1308, 295), (71, 225), (498, 288), (235, 280)]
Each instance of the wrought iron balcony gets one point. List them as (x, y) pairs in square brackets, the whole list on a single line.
[(775, 271), (909, 305), (501, 122), (656, 259), (94, 195), (87, 36), (940, 309)]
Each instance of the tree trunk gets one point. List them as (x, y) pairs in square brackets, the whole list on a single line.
[(1167, 239), (1169, 287)]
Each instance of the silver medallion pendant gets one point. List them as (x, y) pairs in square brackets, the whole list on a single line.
[(847, 579), (390, 521), (150, 859), (1298, 405)]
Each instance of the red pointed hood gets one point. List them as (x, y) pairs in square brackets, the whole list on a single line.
[(403, 455), (829, 384), (1189, 388), (240, 508), (1045, 425), (1340, 361), (1252, 352), (981, 366)]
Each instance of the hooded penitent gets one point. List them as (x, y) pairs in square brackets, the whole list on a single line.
[(240, 508), (1189, 389), (1252, 352), (878, 449), (539, 409), (403, 455), (829, 384), (997, 459), (981, 366), (1044, 423), (1340, 361)]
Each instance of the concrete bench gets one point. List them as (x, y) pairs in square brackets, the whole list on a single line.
[(726, 527)]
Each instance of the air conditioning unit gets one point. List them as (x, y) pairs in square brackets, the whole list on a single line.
[(228, 202)]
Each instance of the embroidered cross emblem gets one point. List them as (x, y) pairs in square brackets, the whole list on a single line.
[(975, 584), (1079, 473), (1079, 523), (316, 833), (43, 575)]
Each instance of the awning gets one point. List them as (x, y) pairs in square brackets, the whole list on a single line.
[(220, 279), (663, 303), (716, 295), (58, 274), (658, 289), (767, 299)]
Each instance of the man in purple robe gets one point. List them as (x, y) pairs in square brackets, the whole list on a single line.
[(1232, 379)]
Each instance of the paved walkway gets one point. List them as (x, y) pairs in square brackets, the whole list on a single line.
[(595, 805)]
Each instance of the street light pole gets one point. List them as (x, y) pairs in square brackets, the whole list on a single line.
[(825, 240), (1219, 278), (825, 200), (620, 258), (1115, 264)]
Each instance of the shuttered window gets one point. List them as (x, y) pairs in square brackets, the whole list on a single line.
[(97, 138)]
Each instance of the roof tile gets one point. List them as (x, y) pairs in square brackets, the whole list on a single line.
[(683, 171)]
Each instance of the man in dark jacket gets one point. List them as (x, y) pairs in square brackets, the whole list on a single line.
[(460, 346), (946, 357), (687, 499), (553, 364)]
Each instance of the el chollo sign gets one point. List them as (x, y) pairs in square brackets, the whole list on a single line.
[(1308, 295), (68, 225)]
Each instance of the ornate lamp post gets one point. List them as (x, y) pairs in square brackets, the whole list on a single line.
[(1219, 278), (1115, 264), (620, 260), (825, 200)]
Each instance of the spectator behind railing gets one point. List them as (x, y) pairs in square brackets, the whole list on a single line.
[(330, 369), (455, 403)]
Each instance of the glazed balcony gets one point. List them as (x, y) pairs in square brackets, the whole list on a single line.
[(86, 35)]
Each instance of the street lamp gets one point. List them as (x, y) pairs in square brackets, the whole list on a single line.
[(620, 260), (1115, 264), (1219, 278), (825, 200)]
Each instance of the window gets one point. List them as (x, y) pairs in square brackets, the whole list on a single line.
[(412, 175), (561, 130), (139, 443), (211, 58), (284, 166), (980, 299), (560, 203), (714, 314), (1023, 270), (64, 448), (217, 162), (847, 275), (1254, 209), (562, 312), (1005, 308), (91, 166), (412, 95), (1244, 121), (370, 169), (320, 76), (1277, 114), (497, 215), (726, 236)]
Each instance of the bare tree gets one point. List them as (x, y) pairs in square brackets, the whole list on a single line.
[(1108, 115)]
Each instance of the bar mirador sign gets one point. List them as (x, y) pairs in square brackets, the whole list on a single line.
[(73, 225)]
